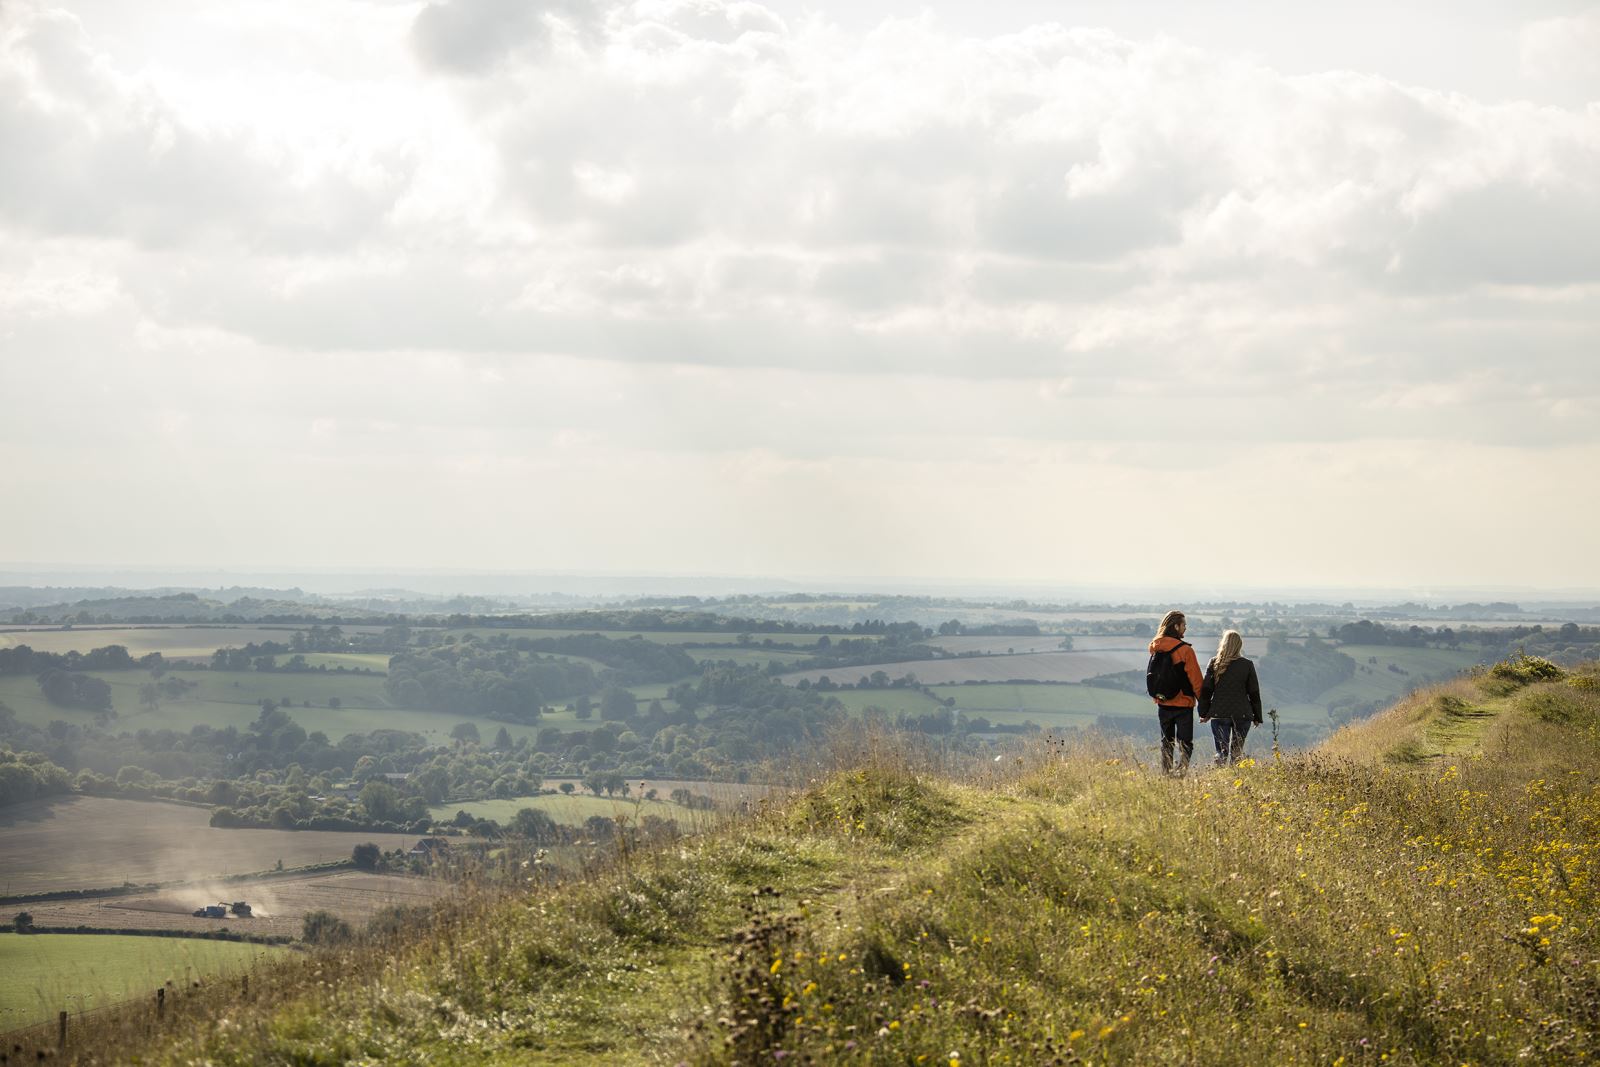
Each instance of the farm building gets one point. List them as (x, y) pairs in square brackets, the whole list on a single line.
[(430, 846)]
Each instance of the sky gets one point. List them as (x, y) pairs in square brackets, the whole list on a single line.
[(1071, 293)]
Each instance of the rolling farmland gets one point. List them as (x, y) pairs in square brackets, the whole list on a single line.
[(97, 842)]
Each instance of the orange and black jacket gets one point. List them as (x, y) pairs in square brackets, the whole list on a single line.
[(1191, 667)]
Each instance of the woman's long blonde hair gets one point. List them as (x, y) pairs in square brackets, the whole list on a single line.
[(1228, 650), (1169, 621)]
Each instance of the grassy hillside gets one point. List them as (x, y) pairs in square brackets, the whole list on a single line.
[(1419, 891)]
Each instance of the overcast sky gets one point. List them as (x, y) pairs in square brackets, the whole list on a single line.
[(1265, 293)]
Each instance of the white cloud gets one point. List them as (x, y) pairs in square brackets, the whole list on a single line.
[(764, 257), (1565, 51)]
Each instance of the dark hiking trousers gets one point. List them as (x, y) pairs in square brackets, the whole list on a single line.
[(1177, 724), (1229, 734)]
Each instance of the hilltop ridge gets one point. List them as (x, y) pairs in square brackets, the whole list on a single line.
[(1418, 890)]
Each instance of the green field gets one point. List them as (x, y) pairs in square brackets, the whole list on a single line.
[(1013, 703), (572, 810), (42, 974), (1375, 681), (225, 698)]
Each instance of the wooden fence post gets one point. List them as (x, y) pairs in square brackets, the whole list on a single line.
[(161, 1002), (61, 1034)]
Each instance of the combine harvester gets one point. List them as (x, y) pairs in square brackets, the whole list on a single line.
[(220, 911)]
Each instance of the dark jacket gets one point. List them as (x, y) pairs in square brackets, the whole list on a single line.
[(1236, 695)]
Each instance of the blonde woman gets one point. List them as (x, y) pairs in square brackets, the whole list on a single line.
[(1173, 679), (1230, 698)]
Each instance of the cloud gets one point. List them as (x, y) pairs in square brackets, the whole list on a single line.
[(1561, 51), (472, 36), (93, 152)]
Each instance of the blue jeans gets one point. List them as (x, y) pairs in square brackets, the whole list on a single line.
[(1229, 734)]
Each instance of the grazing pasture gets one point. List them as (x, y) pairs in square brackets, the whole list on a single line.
[(95, 842), (1036, 666), (278, 905), (42, 974)]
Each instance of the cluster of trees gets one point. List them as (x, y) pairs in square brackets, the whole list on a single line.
[(72, 689), (29, 775), (24, 660)]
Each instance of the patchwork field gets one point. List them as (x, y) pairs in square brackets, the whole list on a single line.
[(278, 905), (1039, 666), (95, 842), (42, 974)]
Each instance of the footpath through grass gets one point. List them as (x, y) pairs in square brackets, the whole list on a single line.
[(1421, 892)]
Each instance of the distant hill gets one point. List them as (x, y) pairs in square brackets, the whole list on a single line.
[(186, 606)]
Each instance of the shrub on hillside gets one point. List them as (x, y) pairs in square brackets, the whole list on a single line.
[(1516, 671), (324, 928)]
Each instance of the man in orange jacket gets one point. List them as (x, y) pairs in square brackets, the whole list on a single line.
[(1175, 708)]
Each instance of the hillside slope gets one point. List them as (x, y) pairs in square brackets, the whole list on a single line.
[(1419, 891)]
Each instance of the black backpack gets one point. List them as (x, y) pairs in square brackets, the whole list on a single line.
[(1164, 677)]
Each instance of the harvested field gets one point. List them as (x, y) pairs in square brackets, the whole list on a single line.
[(95, 842), (1037, 666), (278, 904)]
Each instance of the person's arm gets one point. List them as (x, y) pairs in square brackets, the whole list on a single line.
[(1207, 691), (1253, 687), (1191, 667)]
